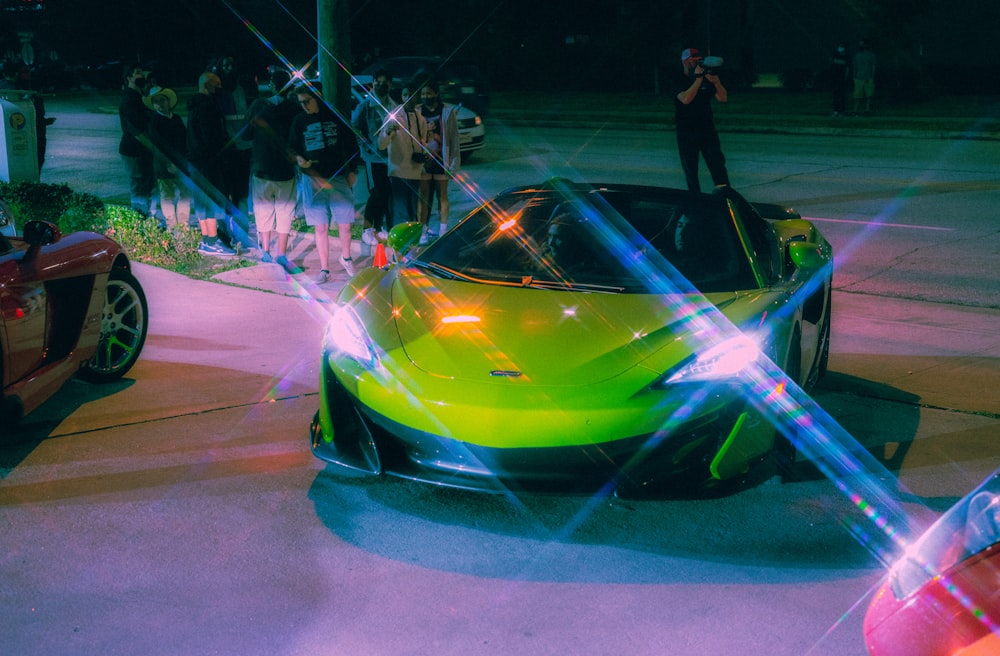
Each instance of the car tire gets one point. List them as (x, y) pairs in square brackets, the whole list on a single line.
[(124, 323)]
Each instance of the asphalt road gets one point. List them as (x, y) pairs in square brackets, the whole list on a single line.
[(179, 511)]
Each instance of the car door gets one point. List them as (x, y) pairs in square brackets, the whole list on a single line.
[(23, 312)]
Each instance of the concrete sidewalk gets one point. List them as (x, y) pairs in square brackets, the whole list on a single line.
[(273, 278)]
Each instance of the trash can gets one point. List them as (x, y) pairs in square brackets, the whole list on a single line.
[(18, 139)]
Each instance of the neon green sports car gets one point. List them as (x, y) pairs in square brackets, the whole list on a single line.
[(577, 336)]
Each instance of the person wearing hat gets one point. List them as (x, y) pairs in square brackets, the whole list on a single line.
[(168, 136), (695, 123)]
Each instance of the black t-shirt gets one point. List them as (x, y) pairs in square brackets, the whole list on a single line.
[(327, 140), (697, 115), (270, 121), (434, 138)]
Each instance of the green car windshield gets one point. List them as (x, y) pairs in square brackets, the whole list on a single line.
[(612, 241)]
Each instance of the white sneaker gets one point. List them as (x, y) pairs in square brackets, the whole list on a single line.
[(368, 236), (424, 237), (443, 229), (323, 276), (382, 235), (348, 265)]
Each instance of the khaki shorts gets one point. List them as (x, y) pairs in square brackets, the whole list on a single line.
[(274, 204), (864, 88)]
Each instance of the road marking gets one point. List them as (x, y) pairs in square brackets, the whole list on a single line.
[(881, 225)]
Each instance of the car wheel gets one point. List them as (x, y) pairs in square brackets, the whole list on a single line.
[(124, 323)]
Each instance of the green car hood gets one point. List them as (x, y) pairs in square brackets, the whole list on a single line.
[(489, 333)]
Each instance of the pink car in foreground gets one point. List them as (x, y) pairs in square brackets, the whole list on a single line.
[(943, 597)]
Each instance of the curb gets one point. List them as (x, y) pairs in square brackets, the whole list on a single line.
[(751, 125)]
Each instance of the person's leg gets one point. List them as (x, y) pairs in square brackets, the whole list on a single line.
[(209, 209), (687, 148), (149, 189), (323, 246), (209, 227), (168, 202), (444, 205), (424, 202), (342, 212), (183, 205), (284, 212), (138, 193), (400, 201), (714, 159), (344, 230), (382, 192), (264, 217), (316, 206)]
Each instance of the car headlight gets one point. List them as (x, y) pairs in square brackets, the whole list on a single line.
[(726, 359), (346, 334)]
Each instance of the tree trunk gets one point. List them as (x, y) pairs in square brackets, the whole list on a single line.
[(332, 17)]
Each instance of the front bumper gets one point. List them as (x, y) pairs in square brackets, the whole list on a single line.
[(352, 436)]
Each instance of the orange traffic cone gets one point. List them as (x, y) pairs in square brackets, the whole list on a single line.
[(380, 260)]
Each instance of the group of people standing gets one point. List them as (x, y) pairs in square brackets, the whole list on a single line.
[(852, 75), (284, 155), (200, 167), (411, 151)]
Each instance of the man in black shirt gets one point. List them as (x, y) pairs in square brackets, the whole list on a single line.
[(326, 151), (134, 146), (206, 141), (273, 167), (695, 123)]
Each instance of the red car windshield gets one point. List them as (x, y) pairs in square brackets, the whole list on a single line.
[(969, 527)]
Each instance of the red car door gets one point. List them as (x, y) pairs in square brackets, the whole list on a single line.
[(23, 312)]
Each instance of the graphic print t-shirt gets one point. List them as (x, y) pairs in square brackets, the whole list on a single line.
[(326, 140)]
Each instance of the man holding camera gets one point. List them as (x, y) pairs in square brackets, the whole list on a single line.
[(694, 122)]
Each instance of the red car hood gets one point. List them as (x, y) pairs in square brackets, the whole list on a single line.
[(480, 332)]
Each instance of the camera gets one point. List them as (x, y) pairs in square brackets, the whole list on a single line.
[(710, 65)]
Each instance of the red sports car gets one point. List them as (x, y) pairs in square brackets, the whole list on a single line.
[(69, 304), (943, 597)]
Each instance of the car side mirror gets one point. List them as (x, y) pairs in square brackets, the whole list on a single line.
[(40, 233), (807, 255), (403, 236)]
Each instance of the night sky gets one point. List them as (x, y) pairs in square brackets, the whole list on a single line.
[(518, 43)]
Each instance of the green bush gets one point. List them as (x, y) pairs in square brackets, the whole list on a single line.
[(142, 238), (55, 203)]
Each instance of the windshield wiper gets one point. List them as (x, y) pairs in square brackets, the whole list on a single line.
[(525, 281), (442, 270), (448, 272), (565, 286)]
